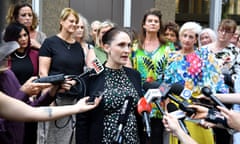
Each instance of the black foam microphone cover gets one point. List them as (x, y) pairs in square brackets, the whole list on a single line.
[(150, 85)]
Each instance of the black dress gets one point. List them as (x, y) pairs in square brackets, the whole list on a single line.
[(100, 125), (66, 59)]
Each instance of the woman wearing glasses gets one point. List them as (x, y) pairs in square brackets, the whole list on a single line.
[(227, 57)]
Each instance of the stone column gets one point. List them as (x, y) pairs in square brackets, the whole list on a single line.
[(168, 9), (51, 10)]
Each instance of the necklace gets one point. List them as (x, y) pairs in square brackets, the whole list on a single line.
[(20, 57), (67, 45), (150, 54)]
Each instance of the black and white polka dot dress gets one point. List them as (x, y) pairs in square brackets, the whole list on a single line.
[(117, 87)]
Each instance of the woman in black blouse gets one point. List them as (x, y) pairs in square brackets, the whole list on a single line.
[(116, 83)]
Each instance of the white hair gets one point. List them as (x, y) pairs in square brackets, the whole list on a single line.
[(212, 34), (193, 26)]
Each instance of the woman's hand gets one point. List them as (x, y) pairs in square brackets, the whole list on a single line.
[(206, 124), (82, 105), (66, 86), (31, 88), (201, 112), (171, 123), (232, 117)]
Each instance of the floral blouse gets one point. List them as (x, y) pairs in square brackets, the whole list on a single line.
[(151, 65), (229, 60), (195, 71)]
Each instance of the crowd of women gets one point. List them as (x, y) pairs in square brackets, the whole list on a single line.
[(161, 52)]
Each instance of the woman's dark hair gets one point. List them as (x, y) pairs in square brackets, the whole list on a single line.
[(155, 12), (173, 26), (13, 30), (132, 33), (111, 33), (13, 13)]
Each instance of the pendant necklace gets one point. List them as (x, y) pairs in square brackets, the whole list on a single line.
[(20, 57), (67, 45)]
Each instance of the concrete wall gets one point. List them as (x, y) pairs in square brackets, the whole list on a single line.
[(51, 10), (168, 9), (3, 12)]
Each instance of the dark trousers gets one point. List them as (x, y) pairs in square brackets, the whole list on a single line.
[(157, 131), (221, 136), (30, 136)]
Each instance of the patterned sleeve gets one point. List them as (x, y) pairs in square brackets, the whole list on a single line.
[(211, 73)]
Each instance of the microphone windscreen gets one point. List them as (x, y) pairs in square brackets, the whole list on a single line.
[(171, 107), (143, 106), (176, 89), (150, 85), (126, 108), (206, 91)]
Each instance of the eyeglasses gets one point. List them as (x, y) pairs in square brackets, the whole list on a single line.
[(223, 31)]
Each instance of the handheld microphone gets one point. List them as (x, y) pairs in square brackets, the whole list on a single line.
[(216, 117), (150, 85), (155, 93), (97, 69), (186, 94), (172, 108), (144, 109), (59, 78), (155, 90), (122, 120), (181, 91), (183, 105), (207, 92)]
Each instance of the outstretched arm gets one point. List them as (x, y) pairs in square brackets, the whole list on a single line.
[(13, 109), (171, 124)]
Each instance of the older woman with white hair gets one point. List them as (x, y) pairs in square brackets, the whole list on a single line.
[(206, 36), (194, 69)]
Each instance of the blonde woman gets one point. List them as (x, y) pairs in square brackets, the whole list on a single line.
[(61, 53), (82, 36), (98, 49)]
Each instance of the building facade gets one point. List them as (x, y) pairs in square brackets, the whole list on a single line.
[(174, 10)]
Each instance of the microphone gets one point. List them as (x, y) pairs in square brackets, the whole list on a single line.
[(216, 117), (178, 89), (122, 120), (207, 92), (144, 109), (59, 78), (97, 69), (172, 108), (150, 85), (164, 91), (155, 93), (155, 90), (181, 91)]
